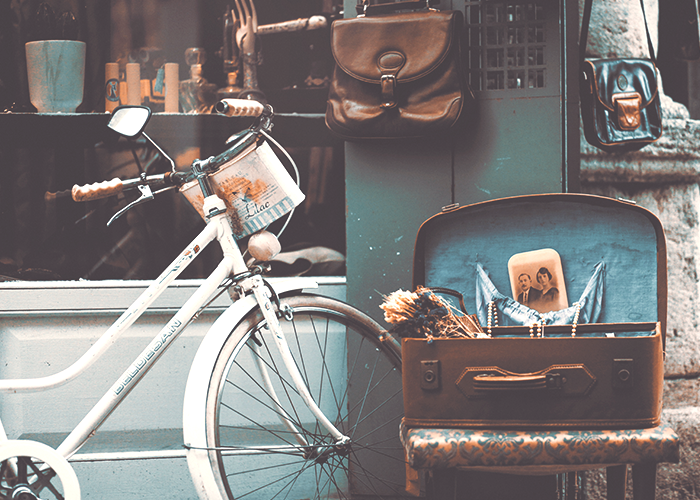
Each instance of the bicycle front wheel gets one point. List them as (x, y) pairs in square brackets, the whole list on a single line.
[(264, 441)]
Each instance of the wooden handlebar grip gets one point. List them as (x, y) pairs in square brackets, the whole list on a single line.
[(97, 190), (239, 107)]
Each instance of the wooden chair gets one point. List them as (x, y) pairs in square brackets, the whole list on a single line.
[(543, 453)]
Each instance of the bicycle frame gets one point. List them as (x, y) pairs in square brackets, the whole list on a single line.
[(218, 228)]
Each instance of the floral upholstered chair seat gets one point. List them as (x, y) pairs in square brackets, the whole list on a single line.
[(535, 452), (448, 448)]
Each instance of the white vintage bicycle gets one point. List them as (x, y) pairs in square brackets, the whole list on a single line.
[(290, 395)]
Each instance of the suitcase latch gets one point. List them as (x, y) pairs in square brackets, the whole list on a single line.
[(623, 373), (430, 375)]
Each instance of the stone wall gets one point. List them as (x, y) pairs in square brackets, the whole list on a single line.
[(662, 177)]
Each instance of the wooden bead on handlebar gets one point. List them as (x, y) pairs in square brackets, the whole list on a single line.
[(239, 107), (97, 190)]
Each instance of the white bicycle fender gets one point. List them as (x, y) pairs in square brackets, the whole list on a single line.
[(194, 406)]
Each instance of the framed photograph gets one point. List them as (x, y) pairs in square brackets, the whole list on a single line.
[(537, 280)]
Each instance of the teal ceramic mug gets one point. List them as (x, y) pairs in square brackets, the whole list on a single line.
[(56, 75)]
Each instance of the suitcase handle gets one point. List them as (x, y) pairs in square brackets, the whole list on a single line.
[(496, 383), (568, 380)]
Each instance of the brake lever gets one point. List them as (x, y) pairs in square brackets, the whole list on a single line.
[(146, 195)]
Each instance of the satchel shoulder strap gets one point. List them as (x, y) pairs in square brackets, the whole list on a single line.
[(588, 6), (365, 8)]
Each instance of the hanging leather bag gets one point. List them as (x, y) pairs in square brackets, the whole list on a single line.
[(397, 75), (620, 102)]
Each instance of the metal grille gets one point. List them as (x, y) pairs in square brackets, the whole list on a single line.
[(506, 45)]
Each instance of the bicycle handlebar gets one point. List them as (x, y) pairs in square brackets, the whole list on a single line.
[(105, 189), (227, 107), (97, 190), (239, 107)]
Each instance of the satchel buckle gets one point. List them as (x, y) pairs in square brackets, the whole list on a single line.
[(388, 84), (627, 106)]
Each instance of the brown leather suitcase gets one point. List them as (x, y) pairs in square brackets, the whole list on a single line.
[(609, 375)]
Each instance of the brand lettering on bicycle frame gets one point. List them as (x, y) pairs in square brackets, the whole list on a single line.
[(143, 360)]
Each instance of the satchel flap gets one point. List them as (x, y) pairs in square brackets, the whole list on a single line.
[(614, 76), (628, 106), (406, 46)]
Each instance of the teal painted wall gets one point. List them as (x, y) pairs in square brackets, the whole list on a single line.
[(519, 141)]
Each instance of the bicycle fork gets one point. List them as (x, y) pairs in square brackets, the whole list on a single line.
[(263, 298)]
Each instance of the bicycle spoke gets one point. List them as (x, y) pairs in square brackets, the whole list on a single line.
[(295, 474), (369, 473), (372, 413), (330, 482), (362, 401), (351, 372), (377, 451), (284, 383), (352, 377), (253, 378), (269, 467), (265, 429), (324, 364), (277, 411)]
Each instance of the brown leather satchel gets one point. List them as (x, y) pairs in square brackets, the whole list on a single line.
[(620, 102), (397, 75)]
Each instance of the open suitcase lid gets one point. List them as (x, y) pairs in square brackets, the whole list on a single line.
[(583, 229)]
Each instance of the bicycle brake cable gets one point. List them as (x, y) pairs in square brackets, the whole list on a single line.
[(296, 173)]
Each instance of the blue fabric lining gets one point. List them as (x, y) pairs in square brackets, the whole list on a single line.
[(513, 313)]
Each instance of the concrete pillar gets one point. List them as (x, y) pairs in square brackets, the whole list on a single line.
[(662, 177), (617, 28)]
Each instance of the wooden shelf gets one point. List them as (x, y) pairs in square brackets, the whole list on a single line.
[(46, 130)]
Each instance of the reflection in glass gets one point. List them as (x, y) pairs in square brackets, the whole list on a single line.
[(516, 35), (516, 57), (494, 58), (494, 13), (494, 35), (535, 56), (494, 80), (516, 79), (536, 34), (536, 78), (521, 28)]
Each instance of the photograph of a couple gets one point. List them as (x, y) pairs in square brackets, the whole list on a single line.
[(537, 280)]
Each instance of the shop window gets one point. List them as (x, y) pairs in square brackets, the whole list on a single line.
[(45, 236), (507, 43)]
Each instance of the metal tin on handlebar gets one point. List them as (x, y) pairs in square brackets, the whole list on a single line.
[(255, 186)]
